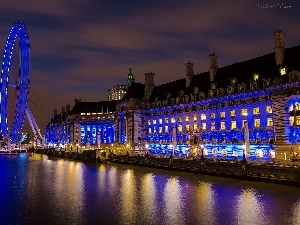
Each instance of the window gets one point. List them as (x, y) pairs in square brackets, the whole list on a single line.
[(154, 121), (179, 128), (82, 114), (232, 113), (212, 115), (187, 118), (166, 129), (222, 125), (160, 130), (213, 126), (291, 120), (203, 117), (244, 112), (269, 122), (297, 120), (195, 128), (244, 122), (166, 120), (282, 71), (160, 121), (256, 111), (154, 130), (203, 126), (88, 114), (195, 118), (269, 109), (255, 76), (257, 123), (172, 120), (233, 125), (149, 130), (222, 114), (179, 119), (187, 127), (149, 123)]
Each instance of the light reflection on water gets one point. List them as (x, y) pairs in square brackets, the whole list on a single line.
[(249, 208), (206, 203), (128, 198), (38, 190), (173, 202)]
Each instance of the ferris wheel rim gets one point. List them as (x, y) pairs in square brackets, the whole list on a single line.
[(17, 30)]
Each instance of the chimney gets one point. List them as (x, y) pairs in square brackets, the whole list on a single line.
[(77, 100), (67, 109), (55, 113), (213, 58), (149, 84), (189, 73), (63, 111), (279, 46)]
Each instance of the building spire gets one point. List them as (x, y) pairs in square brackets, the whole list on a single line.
[(130, 78)]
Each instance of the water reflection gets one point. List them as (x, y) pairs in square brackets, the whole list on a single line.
[(296, 214), (112, 180), (148, 198), (128, 198), (206, 203), (173, 202), (249, 208)]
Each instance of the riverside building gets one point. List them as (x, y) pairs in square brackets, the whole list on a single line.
[(210, 113), (207, 113)]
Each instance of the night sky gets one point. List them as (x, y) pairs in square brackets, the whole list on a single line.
[(80, 48)]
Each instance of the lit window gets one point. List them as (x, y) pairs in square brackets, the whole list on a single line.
[(149, 123), (222, 114), (195, 128), (256, 110), (233, 125), (149, 130), (223, 125), (82, 114), (154, 121), (255, 76), (187, 127), (160, 130), (297, 120), (166, 120), (195, 118), (212, 115), (179, 119), (179, 128), (257, 123), (160, 121), (232, 113), (187, 118), (282, 71), (154, 130), (173, 120), (291, 120), (244, 112), (269, 122), (213, 126), (203, 117), (94, 113), (88, 114), (166, 129), (269, 109), (203, 126)]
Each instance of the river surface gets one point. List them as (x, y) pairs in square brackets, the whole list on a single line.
[(35, 189)]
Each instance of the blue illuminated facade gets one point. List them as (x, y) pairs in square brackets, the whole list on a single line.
[(17, 30), (88, 124), (206, 113)]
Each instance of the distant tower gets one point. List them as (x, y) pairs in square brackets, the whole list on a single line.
[(149, 85), (213, 66), (130, 78), (189, 73)]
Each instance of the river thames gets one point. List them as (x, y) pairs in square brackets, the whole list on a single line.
[(35, 189)]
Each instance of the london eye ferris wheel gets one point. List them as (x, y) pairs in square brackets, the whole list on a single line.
[(22, 85)]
